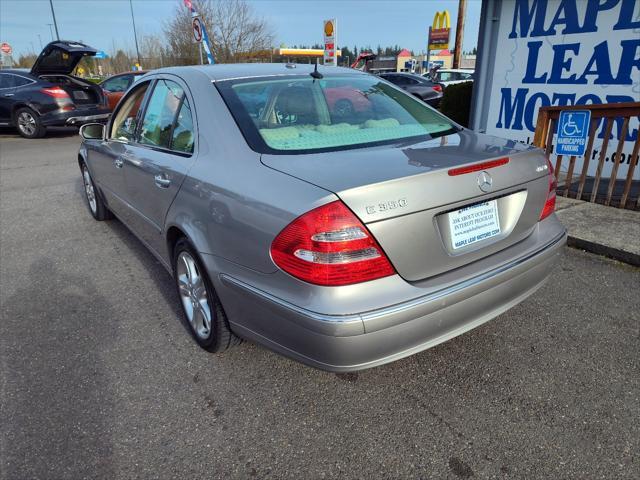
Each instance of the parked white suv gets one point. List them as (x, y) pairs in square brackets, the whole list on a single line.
[(451, 76)]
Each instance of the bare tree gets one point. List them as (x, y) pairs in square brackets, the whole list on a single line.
[(153, 52), (26, 61), (235, 32)]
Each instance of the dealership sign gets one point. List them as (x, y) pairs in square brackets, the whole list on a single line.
[(6, 48), (330, 38), (561, 52), (440, 31)]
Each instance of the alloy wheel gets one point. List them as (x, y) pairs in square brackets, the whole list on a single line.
[(90, 192), (26, 123), (193, 294)]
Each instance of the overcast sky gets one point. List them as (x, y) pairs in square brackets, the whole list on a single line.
[(105, 23)]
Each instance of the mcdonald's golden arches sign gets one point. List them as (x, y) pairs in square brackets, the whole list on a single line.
[(439, 33)]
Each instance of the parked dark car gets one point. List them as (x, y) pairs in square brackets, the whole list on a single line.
[(115, 86), (48, 95), (423, 88)]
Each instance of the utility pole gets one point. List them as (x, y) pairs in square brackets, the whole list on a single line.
[(55, 23), (40, 40), (135, 35), (457, 55)]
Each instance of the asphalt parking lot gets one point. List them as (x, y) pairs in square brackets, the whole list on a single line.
[(100, 378)]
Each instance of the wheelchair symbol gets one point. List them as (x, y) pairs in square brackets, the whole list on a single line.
[(570, 128)]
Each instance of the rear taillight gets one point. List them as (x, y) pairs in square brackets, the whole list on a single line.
[(330, 246), (437, 88), (55, 92), (550, 203)]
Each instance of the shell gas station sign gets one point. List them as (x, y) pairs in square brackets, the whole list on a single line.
[(330, 37)]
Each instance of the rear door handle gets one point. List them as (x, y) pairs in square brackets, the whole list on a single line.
[(162, 181), (118, 162), (8, 94)]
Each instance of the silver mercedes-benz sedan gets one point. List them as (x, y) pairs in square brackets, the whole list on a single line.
[(321, 212)]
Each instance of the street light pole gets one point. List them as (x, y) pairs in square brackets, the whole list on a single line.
[(55, 23), (135, 35)]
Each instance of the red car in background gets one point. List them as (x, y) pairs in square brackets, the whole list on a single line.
[(345, 101), (115, 86)]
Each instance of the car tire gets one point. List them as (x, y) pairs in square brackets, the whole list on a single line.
[(28, 123), (201, 306), (94, 202)]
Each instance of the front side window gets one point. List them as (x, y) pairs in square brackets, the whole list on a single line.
[(157, 126), (303, 114), (125, 121)]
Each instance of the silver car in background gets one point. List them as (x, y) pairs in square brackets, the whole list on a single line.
[(325, 214)]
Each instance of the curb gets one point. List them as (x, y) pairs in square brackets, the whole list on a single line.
[(605, 251)]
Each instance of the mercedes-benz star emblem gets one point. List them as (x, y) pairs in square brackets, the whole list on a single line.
[(484, 181)]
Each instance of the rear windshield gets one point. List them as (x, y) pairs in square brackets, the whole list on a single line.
[(302, 114)]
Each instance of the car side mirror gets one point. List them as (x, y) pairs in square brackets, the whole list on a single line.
[(92, 131)]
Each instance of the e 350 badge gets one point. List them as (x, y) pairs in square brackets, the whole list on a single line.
[(386, 206)]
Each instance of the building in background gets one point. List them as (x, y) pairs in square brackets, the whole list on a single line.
[(535, 53)]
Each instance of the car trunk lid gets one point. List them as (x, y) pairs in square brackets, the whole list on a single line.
[(410, 202), (61, 57)]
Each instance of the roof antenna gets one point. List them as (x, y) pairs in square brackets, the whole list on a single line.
[(316, 73)]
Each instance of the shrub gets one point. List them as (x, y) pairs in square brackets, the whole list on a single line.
[(456, 102)]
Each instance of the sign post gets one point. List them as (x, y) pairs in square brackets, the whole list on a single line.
[(330, 40), (200, 34), (5, 54), (573, 130)]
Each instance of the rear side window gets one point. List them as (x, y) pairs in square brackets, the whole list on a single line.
[(302, 114), (117, 84), (161, 113), (21, 81), (182, 138), (6, 80)]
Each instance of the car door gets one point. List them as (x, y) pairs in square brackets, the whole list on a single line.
[(107, 161), (159, 160), (7, 91)]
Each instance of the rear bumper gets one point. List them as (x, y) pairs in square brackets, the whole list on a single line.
[(75, 117), (357, 341), (81, 120)]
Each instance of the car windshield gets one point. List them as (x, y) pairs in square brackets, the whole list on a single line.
[(303, 114)]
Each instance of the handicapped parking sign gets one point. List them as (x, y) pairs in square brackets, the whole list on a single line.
[(573, 130)]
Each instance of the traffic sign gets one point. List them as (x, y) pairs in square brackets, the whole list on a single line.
[(573, 130), (198, 27), (6, 48)]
